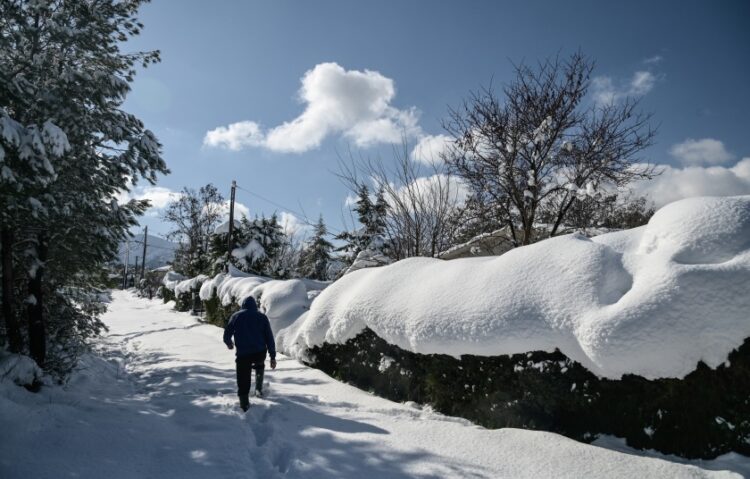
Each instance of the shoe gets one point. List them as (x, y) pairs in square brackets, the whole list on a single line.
[(258, 393), (244, 403)]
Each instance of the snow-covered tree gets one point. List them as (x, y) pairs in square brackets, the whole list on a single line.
[(316, 257), (194, 216), (258, 245), (67, 150), (262, 240), (371, 233), (542, 147)]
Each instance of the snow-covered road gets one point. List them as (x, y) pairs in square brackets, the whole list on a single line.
[(158, 400)]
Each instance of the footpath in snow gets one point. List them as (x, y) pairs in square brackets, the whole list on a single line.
[(158, 400)]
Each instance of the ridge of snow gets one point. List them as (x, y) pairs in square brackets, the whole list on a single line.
[(283, 301), (651, 301), (171, 279), (189, 285)]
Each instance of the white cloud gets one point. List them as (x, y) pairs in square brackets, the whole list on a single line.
[(240, 210), (159, 197), (430, 147), (706, 151), (235, 136), (605, 90), (677, 183), (292, 225), (354, 103), (654, 60), (350, 200), (429, 187), (642, 83)]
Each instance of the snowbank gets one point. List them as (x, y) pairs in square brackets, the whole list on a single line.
[(18, 369), (652, 301), (189, 285), (283, 301), (171, 279)]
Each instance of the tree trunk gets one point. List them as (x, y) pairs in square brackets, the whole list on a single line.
[(12, 328), (37, 329)]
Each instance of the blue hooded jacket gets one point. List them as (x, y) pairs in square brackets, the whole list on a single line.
[(251, 330)]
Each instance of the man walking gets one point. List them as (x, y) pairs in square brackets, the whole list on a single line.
[(253, 338)]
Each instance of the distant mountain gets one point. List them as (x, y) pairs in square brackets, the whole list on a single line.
[(159, 251)]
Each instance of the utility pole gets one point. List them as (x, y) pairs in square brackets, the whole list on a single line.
[(145, 240), (230, 243), (127, 263), (135, 272)]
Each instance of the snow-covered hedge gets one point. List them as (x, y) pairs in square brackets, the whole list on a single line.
[(181, 289), (190, 285), (283, 301), (703, 415), (171, 279), (652, 301)]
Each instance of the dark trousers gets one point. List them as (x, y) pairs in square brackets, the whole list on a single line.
[(245, 365)]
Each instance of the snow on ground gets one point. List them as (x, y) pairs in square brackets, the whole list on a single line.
[(158, 400), (652, 301)]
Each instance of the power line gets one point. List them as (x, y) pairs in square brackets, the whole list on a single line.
[(302, 216), (152, 246)]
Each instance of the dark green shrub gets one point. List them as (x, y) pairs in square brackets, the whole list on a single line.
[(701, 416), (216, 313), (184, 302), (166, 295)]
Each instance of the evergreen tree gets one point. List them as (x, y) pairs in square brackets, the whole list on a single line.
[(316, 258), (273, 239), (257, 243), (67, 152), (380, 208), (372, 218), (355, 241), (365, 210)]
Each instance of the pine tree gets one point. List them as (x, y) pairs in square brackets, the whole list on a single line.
[(381, 212), (372, 219), (258, 244), (365, 209), (273, 240), (68, 151), (316, 257)]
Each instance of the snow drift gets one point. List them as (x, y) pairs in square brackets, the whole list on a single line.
[(651, 301), (18, 369), (282, 301), (172, 279)]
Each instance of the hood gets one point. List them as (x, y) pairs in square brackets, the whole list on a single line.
[(249, 304)]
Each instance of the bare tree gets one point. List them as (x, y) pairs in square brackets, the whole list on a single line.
[(420, 200), (286, 260), (194, 215), (542, 147)]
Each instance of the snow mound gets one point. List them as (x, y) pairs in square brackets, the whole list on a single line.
[(652, 301), (189, 285), (171, 279), (283, 301), (18, 369)]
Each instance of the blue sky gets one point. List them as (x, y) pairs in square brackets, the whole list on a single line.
[(243, 61)]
